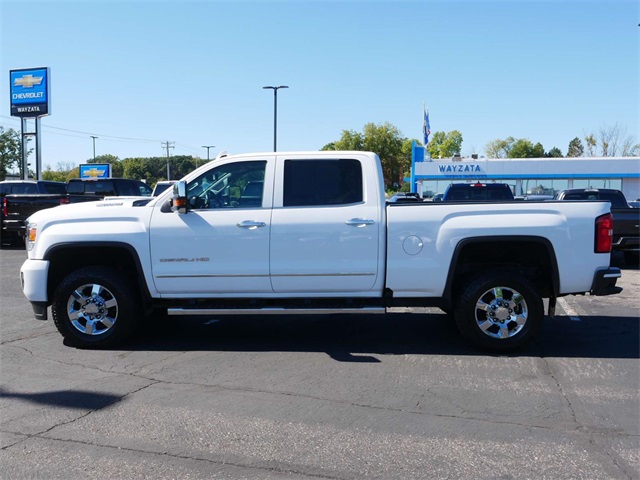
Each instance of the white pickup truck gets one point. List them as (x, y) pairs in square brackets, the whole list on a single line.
[(310, 232)]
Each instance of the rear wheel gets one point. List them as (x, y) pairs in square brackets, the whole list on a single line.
[(95, 307), (499, 311)]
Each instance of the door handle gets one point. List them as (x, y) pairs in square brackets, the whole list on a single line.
[(359, 222), (251, 224)]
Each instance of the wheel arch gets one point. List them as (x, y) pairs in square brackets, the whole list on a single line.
[(68, 257), (532, 256)]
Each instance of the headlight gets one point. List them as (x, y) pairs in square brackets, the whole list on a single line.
[(32, 233)]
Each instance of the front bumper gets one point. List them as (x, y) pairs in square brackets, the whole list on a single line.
[(604, 281), (33, 278)]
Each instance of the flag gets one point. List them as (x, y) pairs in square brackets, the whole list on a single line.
[(426, 128)]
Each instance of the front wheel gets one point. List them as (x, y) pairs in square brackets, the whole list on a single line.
[(499, 311), (95, 307)]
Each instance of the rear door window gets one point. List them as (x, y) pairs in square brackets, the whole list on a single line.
[(322, 182)]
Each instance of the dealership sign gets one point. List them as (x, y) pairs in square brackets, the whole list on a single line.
[(95, 170), (30, 92)]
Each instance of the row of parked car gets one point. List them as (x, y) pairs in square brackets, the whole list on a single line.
[(21, 198)]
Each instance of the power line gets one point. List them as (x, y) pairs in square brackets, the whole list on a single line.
[(93, 133), (103, 137)]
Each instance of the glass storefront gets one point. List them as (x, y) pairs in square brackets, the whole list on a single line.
[(530, 186)]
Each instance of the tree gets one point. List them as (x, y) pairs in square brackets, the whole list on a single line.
[(384, 139), (612, 141), (350, 140), (499, 148), (511, 147), (10, 151), (117, 168), (56, 176), (524, 148), (576, 149), (591, 142), (555, 152), (444, 145), (538, 151)]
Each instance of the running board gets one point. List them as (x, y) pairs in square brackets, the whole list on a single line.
[(272, 311)]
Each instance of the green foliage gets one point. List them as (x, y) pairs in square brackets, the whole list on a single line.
[(524, 148), (499, 148), (444, 145), (350, 140), (384, 139), (576, 149), (10, 151), (56, 176), (116, 164), (555, 152), (511, 147)]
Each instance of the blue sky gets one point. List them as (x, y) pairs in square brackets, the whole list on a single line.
[(193, 72)]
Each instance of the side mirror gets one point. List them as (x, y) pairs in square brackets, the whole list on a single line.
[(179, 201)]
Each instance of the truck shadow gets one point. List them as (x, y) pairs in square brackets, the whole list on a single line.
[(349, 338)]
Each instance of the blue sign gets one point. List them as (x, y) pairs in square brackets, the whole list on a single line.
[(30, 89), (95, 170)]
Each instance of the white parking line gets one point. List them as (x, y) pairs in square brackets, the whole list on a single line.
[(573, 315)]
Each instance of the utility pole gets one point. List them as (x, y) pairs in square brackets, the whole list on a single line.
[(208, 147), (168, 145), (94, 146)]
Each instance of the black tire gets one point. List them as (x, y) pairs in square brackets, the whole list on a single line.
[(499, 311), (95, 307), (632, 258)]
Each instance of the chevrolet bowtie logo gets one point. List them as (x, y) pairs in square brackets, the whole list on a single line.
[(27, 81), (94, 172)]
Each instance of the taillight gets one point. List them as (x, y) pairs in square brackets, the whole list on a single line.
[(4, 207), (64, 201), (604, 233)]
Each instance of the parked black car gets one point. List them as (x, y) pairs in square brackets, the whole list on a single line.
[(24, 191), (626, 219), (108, 187), (478, 192)]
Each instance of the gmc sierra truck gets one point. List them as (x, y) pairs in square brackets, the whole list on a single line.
[(310, 233)]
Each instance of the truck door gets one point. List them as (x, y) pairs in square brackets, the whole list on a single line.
[(221, 245), (325, 236)]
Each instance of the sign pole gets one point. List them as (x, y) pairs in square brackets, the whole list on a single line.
[(38, 151), (24, 173)]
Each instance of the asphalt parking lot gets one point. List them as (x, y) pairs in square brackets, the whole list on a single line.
[(334, 397)]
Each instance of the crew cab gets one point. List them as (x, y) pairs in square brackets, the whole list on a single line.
[(309, 233)]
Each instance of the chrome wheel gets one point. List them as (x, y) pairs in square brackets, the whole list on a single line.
[(92, 309), (501, 312)]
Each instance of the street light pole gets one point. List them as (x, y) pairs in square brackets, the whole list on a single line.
[(275, 112), (208, 147), (94, 146)]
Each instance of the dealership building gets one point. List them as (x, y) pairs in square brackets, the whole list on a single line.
[(526, 176)]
